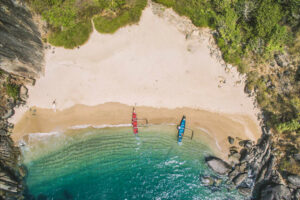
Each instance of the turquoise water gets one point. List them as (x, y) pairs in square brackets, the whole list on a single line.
[(112, 163)]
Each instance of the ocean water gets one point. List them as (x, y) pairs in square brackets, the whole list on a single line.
[(111, 163)]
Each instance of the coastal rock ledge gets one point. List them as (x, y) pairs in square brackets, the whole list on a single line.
[(218, 165), (21, 60), (255, 174)]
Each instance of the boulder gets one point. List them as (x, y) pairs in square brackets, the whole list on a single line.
[(234, 173), (246, 143), (217, 165), (245, 191), (207, 180), (275, 192), (239, 178), (8, 114), (23, 93), (294, 180), (234, 158), (230, 139)]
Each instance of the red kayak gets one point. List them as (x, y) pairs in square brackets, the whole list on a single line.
[(134, 122)]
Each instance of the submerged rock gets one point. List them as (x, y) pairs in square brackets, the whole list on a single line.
[(275, 192), (217, 165), (207, 180)]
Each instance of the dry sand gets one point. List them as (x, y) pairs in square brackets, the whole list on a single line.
[(163, 62)]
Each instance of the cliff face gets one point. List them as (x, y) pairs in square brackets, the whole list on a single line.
[(21, 59), (21, 48)]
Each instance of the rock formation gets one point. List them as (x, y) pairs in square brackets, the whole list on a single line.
[(255, 172), (21, 48), (21, 60)]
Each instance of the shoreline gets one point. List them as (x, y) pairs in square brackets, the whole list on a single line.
[(216, 126)]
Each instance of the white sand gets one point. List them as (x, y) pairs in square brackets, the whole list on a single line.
[(150, 64)]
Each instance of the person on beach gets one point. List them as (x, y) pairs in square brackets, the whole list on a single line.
[(54, 105)]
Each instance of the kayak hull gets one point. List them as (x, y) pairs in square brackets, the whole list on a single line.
[(134, 123), (181, 129)]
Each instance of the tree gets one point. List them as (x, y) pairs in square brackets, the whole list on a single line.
[(267, 16)]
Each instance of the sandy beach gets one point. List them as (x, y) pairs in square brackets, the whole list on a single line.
[(164, 65)]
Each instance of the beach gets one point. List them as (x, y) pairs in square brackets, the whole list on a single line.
[(164, 65)]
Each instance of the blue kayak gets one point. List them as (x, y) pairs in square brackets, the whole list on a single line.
[(181, 129)]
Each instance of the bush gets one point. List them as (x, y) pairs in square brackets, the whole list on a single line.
[(292, 125), (13, 90), (105, 25), (70, 20), (111, 25), (71, 37)]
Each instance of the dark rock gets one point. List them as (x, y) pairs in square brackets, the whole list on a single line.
[(246, 191), (297, 194), (297, 157), (275, 192), (244, 155), (294, 180), (230, 139), (234, 158), (8, 114), (217, 165), (245, 143), (233, 151), (21, 49), (239, 178), (234, 173), (3, 132)]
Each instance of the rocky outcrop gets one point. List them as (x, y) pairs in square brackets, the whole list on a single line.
[(11, 172), (255, 174), (21, 48), (217, 165), (21, 60)]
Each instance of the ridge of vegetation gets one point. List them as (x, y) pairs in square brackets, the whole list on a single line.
[(262, 38), (70, 21)]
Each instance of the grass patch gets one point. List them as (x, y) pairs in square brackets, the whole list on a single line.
[(71, 37), (70, 20), (130, 16), (13, 90)]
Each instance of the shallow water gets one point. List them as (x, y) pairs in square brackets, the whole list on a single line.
[(111, 163)]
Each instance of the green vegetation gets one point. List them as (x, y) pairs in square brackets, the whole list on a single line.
[(109, 24), (71, 37), (250, 34), (13, 90), (70, 20)]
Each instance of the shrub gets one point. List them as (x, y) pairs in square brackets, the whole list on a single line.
[(72, 37), (13, 90), (111, 25)]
